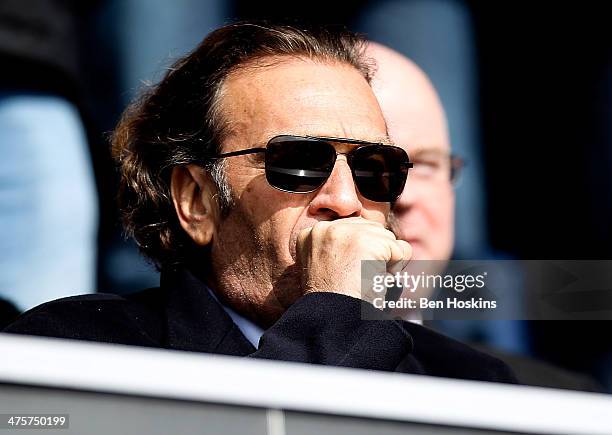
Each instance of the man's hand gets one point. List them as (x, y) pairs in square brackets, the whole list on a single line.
[(330, 253)]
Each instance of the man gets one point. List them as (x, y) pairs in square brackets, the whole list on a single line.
[(257, 175), (424, 214)]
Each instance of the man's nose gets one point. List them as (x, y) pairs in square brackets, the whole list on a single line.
[(338, 197)]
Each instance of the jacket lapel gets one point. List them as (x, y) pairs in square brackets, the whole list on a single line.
[(196, 321)]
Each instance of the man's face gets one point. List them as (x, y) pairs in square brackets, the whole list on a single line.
[(424, 214), (253, 249)]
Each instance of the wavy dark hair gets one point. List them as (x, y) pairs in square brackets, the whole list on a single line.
[(179, 121)]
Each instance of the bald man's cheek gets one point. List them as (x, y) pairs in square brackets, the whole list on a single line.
[(393, 224)]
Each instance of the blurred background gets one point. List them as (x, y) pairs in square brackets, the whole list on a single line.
[(527, 89)]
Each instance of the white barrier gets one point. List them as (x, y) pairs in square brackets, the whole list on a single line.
[(106, 368)]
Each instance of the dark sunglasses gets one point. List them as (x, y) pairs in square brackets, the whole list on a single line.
[(302, 164)]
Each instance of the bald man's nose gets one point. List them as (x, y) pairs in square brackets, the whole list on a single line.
[(338, 197)]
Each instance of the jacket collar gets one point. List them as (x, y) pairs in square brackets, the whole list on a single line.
[(196, 321)]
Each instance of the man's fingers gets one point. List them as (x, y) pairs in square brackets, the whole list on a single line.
[(401, 252), (329, 253), (349, 227)]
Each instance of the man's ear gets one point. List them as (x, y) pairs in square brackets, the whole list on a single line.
[(193, 193)]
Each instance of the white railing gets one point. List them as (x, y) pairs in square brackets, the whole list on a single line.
[(157, 373)]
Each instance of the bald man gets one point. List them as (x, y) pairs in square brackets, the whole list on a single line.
[(424, 213)]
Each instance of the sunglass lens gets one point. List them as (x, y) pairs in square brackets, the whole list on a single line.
[(380, 172), (298, 165)]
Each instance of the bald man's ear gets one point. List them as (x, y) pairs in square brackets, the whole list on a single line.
[(193, 192)]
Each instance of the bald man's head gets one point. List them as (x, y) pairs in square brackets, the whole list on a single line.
[(409, 101), (424, 214)]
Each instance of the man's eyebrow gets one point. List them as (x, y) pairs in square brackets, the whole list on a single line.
[(385, 140), (382, 139)]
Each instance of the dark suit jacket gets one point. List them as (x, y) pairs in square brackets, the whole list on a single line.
[(538, 373), (320, 328)]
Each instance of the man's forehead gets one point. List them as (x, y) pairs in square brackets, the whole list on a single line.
[(416, 134), (302, 97)]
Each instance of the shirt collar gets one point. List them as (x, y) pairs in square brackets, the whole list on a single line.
[(250, 330)]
